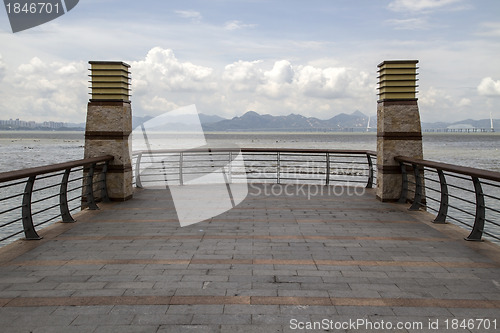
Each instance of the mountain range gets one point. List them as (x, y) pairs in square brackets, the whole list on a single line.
[(356, 121), (252, 121)]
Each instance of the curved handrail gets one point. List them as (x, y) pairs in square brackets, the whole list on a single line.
[(41, 170), (467, 171), (260, 150)]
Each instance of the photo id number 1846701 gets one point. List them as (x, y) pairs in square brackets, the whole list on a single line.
[(32, 8)]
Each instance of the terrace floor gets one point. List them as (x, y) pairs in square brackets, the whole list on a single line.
[(272, 264)]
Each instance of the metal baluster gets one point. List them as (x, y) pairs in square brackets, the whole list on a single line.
[(370, 171), (477, 229), (230, 165), (278, 168), (29, 228), (417, 199), (63, 198), (181, 180), (138, 182), (104, 187), (443, 203), (327, 168), (404, 185), (164, 173), (90, 189)]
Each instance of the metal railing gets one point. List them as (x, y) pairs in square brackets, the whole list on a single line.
[(34, 193), (276, 165), (467, 196)]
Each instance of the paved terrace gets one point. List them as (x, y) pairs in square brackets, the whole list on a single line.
[(130, 267)]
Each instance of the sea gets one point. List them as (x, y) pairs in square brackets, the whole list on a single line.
[(25, 149)]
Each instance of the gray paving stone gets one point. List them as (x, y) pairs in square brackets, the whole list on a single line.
[(103, 319), (57, 329), (221, 319), (83, 310), (196, 309), (251, 309), (251, 329), (191, 328), (139, 309)]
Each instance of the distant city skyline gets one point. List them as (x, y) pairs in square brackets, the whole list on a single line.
[(19, 123), (314, 58)]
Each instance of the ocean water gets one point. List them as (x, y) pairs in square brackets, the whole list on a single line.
[(20, 150), (32, 148)]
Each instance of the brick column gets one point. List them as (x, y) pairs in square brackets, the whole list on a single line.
[(109, 124), (398, 124)]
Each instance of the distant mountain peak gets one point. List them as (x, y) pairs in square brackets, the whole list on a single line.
[(250, 114)]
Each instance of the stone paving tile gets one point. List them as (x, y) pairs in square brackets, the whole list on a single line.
[(221, 319), (102, 319), (55, 329), (251, 329), (193, 328), (127, 329)]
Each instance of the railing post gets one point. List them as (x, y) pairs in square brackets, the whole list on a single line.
[(370, 171), (403, 198), (327, 168), (90, 188), (138, 182), (181, 179), (477, 229), (63, 198), (417, 199), (29, 228), (230, 164), (443, 203), (164, 173), (104, 188), (278, 168)]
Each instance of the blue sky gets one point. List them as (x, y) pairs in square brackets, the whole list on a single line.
[(316, 58)]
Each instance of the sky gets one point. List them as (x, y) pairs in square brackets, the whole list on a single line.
[(317, 58)]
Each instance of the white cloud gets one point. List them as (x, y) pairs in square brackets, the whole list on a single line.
[(489, 87), (419, 23), (465, 102), (189, 14), (284, 80), (282, 72), (420, 5), (331, 82), (244, 75), (40, 90), (433, 97), (159, 103), (236, 25), (161, 70), (278, 80), (161, 82)]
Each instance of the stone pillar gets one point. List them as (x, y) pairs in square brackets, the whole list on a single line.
[(109, 124), (398, 124)]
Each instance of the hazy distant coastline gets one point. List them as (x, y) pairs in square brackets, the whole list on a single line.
[(252, 121)]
